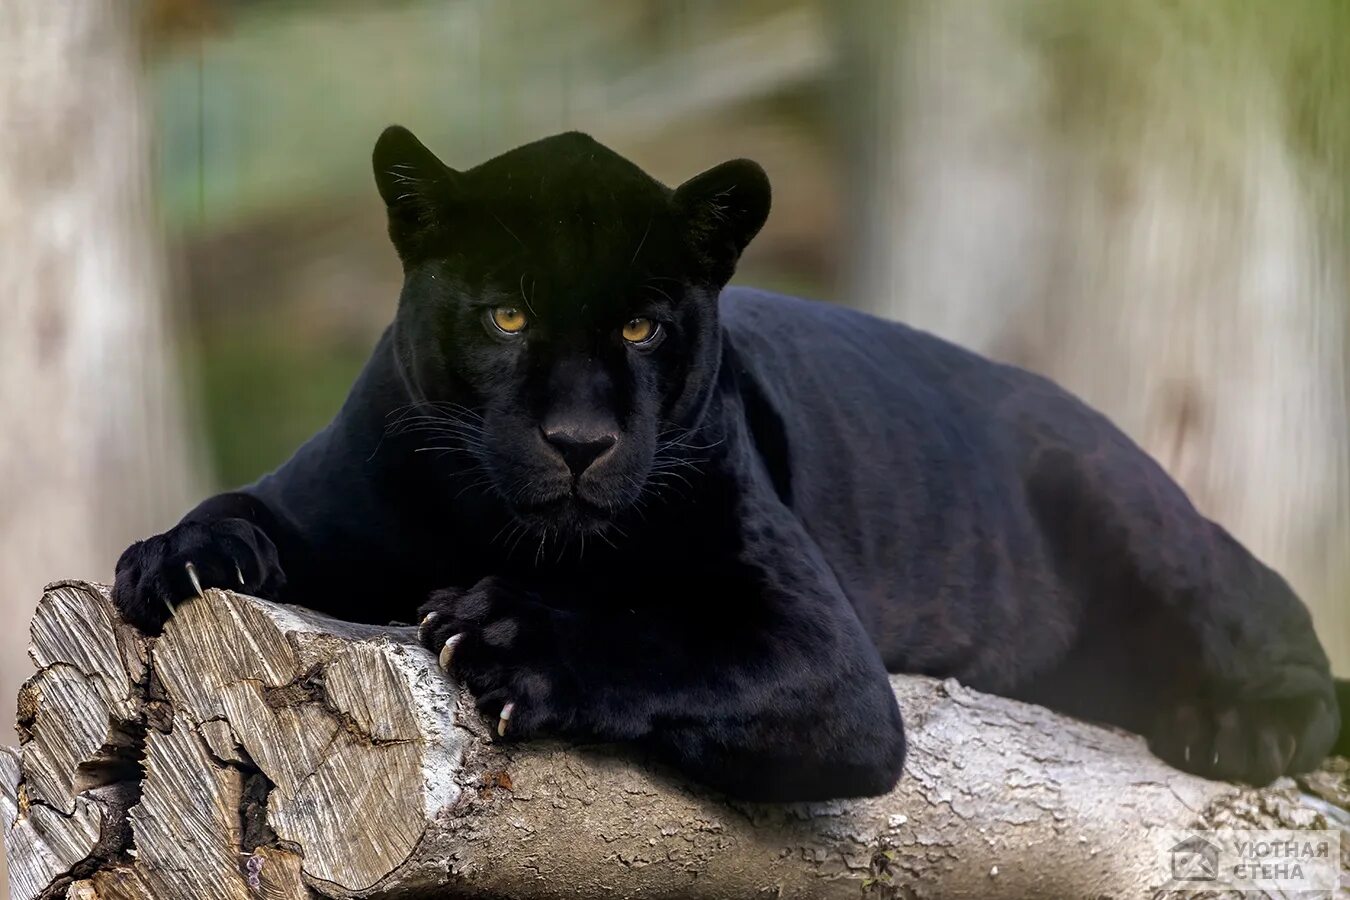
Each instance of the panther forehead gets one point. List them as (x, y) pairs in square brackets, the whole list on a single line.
[(564, 167)]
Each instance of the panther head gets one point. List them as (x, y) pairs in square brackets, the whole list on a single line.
[(558, 319)]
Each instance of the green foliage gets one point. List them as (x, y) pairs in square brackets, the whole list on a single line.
[(1197, 73), (1314, 69), (265, 393)]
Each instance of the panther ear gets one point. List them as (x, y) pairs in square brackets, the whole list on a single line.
[(416, 187), (723, 209)]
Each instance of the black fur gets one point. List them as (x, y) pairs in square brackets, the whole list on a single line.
[(718, 542)]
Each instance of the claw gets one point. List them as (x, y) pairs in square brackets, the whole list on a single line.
[(239, 574), (196, 582), (448, 651), (1186, 754), (1215, 762), (505, 718), (422, 627)]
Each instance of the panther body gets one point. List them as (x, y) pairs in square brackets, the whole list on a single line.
[(626, 502)]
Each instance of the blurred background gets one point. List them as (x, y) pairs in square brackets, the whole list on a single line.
[(1147, 201)]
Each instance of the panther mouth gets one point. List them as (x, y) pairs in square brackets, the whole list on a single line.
[(564, 510)]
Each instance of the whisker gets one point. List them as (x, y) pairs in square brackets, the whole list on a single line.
[(641, 242), (651, 287)]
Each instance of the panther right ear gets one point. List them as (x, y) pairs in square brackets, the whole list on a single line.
[(416, 187), (724, 209)]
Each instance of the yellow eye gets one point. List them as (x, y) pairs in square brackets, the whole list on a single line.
[(639, 331), (508, 319)]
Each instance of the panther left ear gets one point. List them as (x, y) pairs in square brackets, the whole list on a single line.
[(416, 187), (724, 208)]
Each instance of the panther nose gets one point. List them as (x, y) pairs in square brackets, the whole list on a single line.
[(579, 446)]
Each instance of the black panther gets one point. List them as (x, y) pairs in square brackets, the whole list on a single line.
[(629, 503)]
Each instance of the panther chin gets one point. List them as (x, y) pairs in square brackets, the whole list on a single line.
[(565, 513)]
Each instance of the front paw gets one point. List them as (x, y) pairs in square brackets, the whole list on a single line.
[(507, 649), (156, 574), (1249, 740)]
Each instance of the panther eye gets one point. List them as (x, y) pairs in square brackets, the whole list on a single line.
[(640, 330), (508, 319)]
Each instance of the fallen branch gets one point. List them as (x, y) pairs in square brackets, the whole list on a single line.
[(257, 750)]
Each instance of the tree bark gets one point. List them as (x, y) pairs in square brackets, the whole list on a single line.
[(1121, 198), (261, 750)]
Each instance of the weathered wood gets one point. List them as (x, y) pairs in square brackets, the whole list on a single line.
[(68, 789), (288, 755)]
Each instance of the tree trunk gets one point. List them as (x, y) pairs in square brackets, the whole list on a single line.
[(289, 755), (1121, 199), (92, 446), (92, 455)]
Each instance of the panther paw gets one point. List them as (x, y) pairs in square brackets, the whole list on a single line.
[(1248, 740), (158, 573), (506, 648)]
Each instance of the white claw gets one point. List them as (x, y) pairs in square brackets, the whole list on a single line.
[(448, 651), (170, 607), (505, 717), (422, 626), (239, 574), (1215, 761), (1187, 753), (196, 582)]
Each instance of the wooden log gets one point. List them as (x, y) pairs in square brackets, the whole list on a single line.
[(283, 754)]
